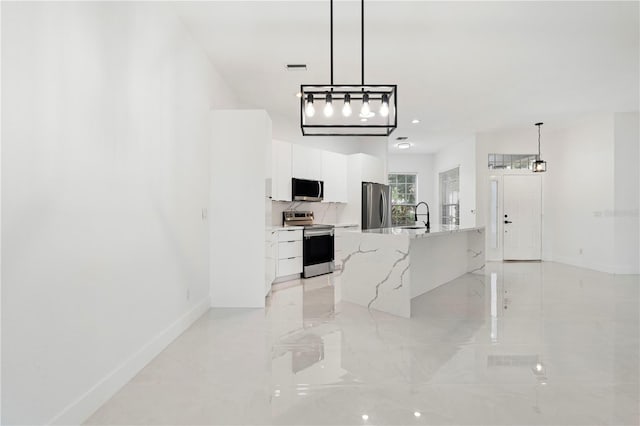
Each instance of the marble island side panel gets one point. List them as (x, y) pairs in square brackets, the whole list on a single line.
[(384, 270), (376, 272)]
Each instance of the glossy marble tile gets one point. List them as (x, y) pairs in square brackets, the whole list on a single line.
[(514, 344)]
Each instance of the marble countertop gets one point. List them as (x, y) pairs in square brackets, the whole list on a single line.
[(276, 228), (345, 225), (419, 233)]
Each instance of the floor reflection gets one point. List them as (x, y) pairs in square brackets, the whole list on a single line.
[(516, 343)]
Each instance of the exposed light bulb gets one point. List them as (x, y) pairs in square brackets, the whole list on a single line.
[(365, 110), (328, 110), (309, 108), (384, 108), (328, 106), (346, 109)]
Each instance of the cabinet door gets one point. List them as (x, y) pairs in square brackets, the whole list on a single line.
[(334, 174), (307, 162), (373, 170), (281, 172), (271, 241)]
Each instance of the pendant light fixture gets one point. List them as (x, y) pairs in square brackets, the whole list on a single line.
[(539, 165), (375, 104)]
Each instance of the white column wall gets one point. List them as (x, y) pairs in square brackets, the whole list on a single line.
[(241, 141), (627, 193), (105, 166)]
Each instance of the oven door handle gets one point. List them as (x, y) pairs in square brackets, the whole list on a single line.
[(309, 234)]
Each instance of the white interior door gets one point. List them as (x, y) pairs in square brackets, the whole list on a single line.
[(522, 217)]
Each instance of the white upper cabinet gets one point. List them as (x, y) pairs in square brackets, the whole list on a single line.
[(281, 172), (307, 163), (372, 169), (334, 175)]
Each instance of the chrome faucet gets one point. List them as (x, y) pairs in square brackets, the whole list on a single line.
[(427, 223)]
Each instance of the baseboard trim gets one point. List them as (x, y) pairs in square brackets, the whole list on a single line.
[(84, 406), (595, 266)]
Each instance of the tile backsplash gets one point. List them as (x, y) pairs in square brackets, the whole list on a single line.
[(324, 213)]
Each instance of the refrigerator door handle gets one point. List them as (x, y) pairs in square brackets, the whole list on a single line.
[(384, 212), (381, 209)]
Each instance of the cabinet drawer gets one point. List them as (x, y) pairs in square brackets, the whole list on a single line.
[(289, 249), (289, 266), (290, 235)]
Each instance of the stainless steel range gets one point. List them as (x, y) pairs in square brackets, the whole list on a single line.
[(318, 243)]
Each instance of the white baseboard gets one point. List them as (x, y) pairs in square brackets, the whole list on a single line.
[(83, 407), (596, 266)]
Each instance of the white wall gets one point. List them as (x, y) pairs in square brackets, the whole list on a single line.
[(463, 155), (422, 165), (590, 189), (105, 142), (580, 193), (627, 192), (241, 142)]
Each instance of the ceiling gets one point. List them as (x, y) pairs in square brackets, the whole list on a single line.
[(460, 67)]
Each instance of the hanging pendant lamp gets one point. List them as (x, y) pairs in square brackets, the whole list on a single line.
[(539, 165), (374, 106)]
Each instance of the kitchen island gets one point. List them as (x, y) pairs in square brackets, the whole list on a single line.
[(385, 268)]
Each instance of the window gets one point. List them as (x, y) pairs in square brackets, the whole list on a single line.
[(404, 188), (449, 198), (511, 161)]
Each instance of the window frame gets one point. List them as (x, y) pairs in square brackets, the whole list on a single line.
[(405, 192), (450, 224)]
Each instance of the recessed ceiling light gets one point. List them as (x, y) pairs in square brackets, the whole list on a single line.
[(404, 145), (364, 119), (299, 95), (365, 417), (415, 121), (417, 413)]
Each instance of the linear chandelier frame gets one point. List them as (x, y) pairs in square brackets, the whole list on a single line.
[(367, 96)]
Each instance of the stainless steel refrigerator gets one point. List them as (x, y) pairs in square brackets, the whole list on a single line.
[(376, 206)]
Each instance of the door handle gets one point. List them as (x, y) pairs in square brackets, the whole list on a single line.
[(507, 221)]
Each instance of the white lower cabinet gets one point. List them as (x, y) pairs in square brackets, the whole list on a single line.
[(289, 252), (271, 242), (289, 266)]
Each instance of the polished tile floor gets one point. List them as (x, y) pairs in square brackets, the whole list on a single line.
[(515, 344)]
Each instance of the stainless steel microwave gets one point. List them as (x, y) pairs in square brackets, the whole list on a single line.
[(307, 190)]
